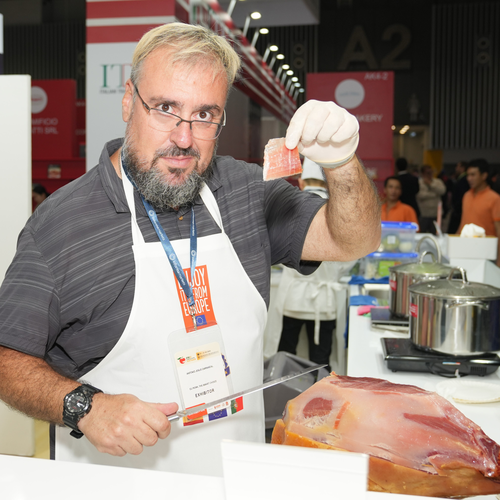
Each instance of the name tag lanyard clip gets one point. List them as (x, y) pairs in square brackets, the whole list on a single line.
[(169, 249)]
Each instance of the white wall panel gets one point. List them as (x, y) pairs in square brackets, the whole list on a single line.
[(15, 162), (17, 432)]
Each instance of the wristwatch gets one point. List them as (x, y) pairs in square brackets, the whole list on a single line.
[(76, 405)]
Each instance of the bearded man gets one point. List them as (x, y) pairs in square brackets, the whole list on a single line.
[(143, 286)]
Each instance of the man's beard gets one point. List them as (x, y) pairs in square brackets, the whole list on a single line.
[(150, 180)]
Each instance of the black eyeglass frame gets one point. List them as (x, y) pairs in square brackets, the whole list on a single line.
[(219, 124)]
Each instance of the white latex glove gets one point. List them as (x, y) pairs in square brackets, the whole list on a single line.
[(324, 132)]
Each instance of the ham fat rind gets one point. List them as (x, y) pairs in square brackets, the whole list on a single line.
[(418, 442), (279, 161)]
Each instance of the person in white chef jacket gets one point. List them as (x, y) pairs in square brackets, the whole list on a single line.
[(142, 286), (312, 301)]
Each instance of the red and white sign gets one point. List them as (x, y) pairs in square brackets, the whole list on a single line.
[(368, 96), (53, 119), (414, 310), (113, 30), (393, 284)]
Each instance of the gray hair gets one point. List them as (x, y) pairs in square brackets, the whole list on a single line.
[(190, 44)]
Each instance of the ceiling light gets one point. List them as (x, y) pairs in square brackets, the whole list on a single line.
[(280, 56), (262, 31), (296, 84), (286, 66), (270, 48), (253, 15), (301, 91), (295, 79), (289, 72)]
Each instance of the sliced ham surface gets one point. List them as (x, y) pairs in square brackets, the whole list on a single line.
[(419, 443), (279, 161)]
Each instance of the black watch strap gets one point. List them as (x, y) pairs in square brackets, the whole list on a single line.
[(71, 418)]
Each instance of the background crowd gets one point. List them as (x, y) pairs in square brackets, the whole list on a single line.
[(448, 202)]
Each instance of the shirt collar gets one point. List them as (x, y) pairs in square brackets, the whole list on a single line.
[(113, 185)]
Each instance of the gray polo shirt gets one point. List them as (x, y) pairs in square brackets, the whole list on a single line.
[(67, 295)]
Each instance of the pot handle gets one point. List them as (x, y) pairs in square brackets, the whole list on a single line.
[(478, 303), (436, 243), (462, 272), (421, 258)]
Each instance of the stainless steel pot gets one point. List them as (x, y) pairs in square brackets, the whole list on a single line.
[(454, 316), (404, 275)]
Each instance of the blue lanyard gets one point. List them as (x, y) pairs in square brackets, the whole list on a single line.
[(169, 249)]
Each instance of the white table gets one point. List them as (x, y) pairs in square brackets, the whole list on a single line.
[(27, 478), (365, 359)]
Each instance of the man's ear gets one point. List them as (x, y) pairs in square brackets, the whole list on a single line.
[(128, 101)]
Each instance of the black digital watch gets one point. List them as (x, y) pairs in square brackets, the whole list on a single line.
[(76, 405)]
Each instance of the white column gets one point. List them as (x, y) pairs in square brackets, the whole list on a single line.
[(17, 432)]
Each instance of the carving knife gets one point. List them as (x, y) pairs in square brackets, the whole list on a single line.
[(265, 385)]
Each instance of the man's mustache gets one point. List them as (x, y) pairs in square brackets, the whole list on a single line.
[(174, 151)]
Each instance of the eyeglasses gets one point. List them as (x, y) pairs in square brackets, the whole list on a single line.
[(166, 122)]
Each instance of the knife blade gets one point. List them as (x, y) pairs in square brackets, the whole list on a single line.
[(261, 387)]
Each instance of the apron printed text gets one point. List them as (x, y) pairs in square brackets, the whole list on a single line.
[(205, 315)]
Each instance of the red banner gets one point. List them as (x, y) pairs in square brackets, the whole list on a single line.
[(368, 96), (53, 119)]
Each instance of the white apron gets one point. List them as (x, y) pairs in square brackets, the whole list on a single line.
[(140, 364)]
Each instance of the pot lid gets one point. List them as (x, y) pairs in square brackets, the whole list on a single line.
[(455, 288), (422, 268)]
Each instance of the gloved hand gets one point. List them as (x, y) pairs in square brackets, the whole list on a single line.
[(324, 132)]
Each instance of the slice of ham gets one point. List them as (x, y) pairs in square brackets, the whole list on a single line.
[(418, 442), (279, 161)]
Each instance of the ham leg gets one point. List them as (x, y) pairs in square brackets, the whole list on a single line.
[(418, 442)]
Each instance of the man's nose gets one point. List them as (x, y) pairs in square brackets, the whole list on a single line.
[(182, 135)]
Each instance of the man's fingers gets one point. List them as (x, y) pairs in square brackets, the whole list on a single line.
[(296, 126), (167, 408), (123, 424), (320, 122)]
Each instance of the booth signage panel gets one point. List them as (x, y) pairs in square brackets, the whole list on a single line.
[(53, 119), (367, 95), (108, 69), (113, 30)]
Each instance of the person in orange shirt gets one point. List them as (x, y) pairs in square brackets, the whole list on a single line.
[(481, 205), (393, 209)]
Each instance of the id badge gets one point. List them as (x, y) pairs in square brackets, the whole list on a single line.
[(202, 372)]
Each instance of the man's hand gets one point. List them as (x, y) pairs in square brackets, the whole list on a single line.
[(348, 227), (324, 132), (121, 424)]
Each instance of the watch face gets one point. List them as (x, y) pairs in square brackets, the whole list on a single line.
[(77, 403)]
